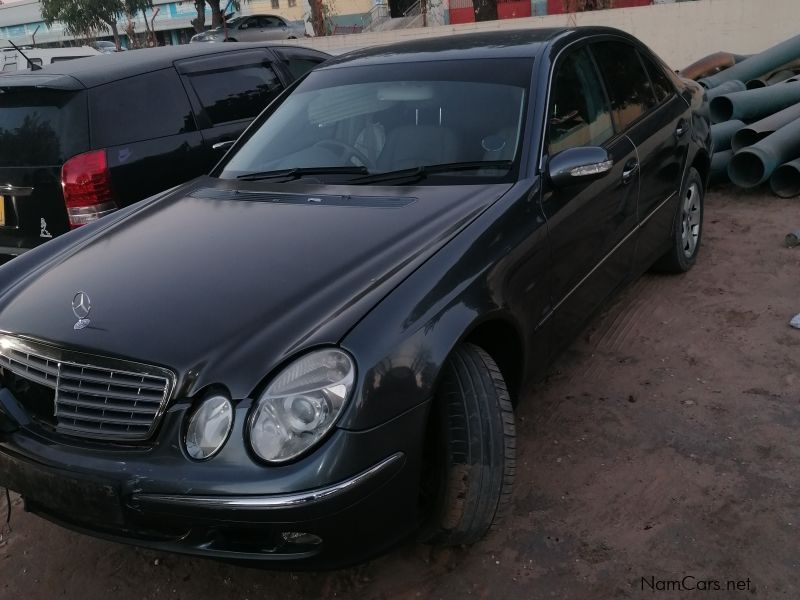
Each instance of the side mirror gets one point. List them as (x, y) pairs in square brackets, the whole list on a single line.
[(578, 165), (244, 26)]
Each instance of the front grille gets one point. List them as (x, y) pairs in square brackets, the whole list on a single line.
[(92, 396)]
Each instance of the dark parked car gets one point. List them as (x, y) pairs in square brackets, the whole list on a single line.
[(81, 139), (315, 351)]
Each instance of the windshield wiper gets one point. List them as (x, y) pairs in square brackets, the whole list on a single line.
[(298, 172), (416, 173)]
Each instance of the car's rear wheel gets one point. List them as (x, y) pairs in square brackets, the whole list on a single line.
[(470, 451), (687, 230)]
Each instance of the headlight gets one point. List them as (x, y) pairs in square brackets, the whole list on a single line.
[(301, 404), (209, 427)]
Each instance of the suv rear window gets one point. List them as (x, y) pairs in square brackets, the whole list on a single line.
[(143, 107), (41, 127)]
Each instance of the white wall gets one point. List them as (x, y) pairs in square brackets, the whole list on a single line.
[(680, 33)]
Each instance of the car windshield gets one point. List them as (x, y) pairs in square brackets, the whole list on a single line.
[(437, 120)]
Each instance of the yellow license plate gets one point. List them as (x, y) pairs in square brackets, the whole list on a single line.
[(2, 211)]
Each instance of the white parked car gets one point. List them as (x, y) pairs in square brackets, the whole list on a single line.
[(253, 28), (13, 60)]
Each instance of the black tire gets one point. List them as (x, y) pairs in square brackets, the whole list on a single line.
[(683, 252), (470, 457)]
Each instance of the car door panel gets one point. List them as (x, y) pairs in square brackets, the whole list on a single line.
[(229, 91)]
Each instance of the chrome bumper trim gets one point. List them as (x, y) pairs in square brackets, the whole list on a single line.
[(272, 502)]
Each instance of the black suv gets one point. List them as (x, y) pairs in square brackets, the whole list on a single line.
[(81, 139)]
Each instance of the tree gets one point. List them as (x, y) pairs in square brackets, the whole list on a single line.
[(199, 22), (84, 17), (217, 10)]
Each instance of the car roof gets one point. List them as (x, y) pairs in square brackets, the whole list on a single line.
[(105, 68), (514, 43)]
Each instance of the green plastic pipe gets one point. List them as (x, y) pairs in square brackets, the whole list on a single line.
[(755, 164), (728, 87), (754, 104), (758, 64), (785, 181), (721, 134), (755, 132), (719, 166)]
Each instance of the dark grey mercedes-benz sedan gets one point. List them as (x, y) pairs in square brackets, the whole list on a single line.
[(315, 351)]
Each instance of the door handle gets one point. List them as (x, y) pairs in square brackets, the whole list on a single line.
[(629, 170), (223, 145), (681, 129)]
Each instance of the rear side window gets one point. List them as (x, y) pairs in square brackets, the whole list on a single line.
[(139, 108), (662, 88), (236, 93), (627, 83), (299, 66), (579, 114), (41, 127)]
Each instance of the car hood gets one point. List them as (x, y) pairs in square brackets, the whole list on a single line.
[(222, 281)]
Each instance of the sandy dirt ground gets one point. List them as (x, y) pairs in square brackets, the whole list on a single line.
[(664, 444)]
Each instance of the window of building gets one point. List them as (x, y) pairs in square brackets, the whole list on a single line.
[(292, 3), (276, 4)]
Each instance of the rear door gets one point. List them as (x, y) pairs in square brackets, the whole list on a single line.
[(146, 126), (648, 109), (40, 128), (228, 91)]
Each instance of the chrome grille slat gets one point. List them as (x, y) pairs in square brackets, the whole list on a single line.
[(116, 395), (94, 397), (112, 407)]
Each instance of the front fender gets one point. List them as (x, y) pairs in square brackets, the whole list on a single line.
[(497, 269)]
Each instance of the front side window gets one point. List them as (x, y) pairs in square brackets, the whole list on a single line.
[(408, 116), (626, 80), (236, 93), (579, 114)]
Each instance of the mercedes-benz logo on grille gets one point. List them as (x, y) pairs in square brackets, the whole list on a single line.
[(82, 306)]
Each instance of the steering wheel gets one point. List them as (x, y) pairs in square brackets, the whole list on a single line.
[(346, 153)]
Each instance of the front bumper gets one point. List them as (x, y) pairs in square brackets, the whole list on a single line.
[(328, 520)]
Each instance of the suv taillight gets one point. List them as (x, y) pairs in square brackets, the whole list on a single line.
[(86, 182)]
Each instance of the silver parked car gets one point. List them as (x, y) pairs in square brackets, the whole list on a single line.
[(253, 28)]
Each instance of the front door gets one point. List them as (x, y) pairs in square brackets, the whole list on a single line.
[(590, 224)]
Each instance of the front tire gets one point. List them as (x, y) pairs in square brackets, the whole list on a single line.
[(687, 230), (471, 451)]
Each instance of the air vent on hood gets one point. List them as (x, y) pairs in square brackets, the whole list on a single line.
[(302, 199)]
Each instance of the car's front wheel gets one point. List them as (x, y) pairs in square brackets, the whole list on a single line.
[(687, 230), (470, 452)]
